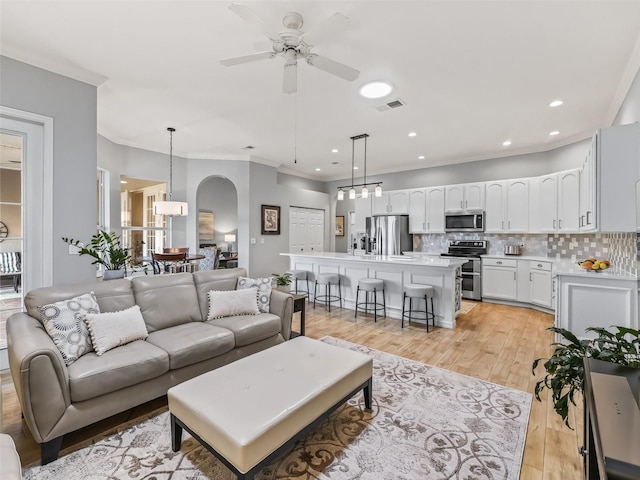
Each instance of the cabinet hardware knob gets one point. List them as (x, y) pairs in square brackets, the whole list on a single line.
[(530, 277), (540, 265), (499, 262), (554, 224), (514, 275)]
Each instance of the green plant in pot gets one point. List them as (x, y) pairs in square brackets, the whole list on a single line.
[(107, 250), (283, 281), (565, 368)]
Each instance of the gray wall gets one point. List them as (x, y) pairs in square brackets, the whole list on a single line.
[(72, 105), (219, 195), (630, 110)]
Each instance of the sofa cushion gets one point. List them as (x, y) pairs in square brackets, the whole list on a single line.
[(264, 290), (113, 329), (136, 362), (249, 329), (226, 303), (191, 343), (224, 279), (166, 300), (64, 322)]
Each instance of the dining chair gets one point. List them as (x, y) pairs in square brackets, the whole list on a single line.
[(172, 262)]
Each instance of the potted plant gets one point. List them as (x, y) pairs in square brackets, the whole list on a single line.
[(106, 249), (565, 368), (283, 281)]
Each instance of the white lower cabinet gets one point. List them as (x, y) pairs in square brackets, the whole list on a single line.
[(595, 300), (500, 279), (540, 284)]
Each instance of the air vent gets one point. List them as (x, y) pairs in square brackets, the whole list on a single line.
[(390, 105), (248, 147)]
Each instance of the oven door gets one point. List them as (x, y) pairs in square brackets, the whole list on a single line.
[(471, 279)]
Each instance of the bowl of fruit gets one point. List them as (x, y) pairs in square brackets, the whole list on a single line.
[(592, 264)]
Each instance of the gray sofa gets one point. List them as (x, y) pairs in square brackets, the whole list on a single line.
[(57, 399)]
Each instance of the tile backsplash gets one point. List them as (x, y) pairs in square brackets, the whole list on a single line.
[(622, 249)]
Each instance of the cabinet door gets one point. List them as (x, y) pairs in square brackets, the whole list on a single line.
[(417, 211), (380, 204), (548, 203), (588, 189), (454, 198), (474, 196), (495, 207), (435, 209), (540, 287), (399, 202), (363, 210), (569, 201), (499, 282), (517, 206)]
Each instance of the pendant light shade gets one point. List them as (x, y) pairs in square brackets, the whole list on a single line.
[(170, 208), (378, 191), (340, 194), (365, 192), (352, 194)]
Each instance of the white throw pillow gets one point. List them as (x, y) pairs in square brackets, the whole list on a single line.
[(264, 286), (113, 329), (226, 303), (64, 322)]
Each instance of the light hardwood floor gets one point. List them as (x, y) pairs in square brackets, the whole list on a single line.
[(493, 342)]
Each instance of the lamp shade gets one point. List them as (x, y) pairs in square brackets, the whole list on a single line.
[(171, 209), (229, 238)]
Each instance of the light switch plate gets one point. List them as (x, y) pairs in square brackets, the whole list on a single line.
[(253, 241), (73, 250)]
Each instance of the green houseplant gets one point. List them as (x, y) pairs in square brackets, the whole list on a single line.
[(282, 280), (565, 369), (107, 250)]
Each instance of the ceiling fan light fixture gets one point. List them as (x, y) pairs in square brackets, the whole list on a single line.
[(377, 89)]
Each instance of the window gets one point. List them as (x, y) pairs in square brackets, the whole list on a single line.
[(102, 192), (141, 229)]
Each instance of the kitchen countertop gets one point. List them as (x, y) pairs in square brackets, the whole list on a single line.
[(416, 260)]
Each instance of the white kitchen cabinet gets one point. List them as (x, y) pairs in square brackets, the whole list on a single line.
[(507, 206), (540, 283), (391, 203), (500, 279), (595, 300), (363, 210), (588, 190), (468, 196), (557, 202), (426, 210)]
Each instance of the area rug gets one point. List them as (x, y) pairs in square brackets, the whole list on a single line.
[(426, 423), (466, 306)]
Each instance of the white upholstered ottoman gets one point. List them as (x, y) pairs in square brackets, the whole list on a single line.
[(253, 410)]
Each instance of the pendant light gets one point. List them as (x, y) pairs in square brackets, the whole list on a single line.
[(365, 185), (365, 190), (170, 208)]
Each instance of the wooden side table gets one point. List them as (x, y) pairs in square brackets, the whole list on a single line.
[(299, 302)]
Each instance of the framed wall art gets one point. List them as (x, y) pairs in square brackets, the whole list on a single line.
[(270, 220), (340, 226), (205, 226)]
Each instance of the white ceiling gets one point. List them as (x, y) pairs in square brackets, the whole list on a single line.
[(472, 74)]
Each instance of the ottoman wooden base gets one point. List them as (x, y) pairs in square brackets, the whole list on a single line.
[(253, 410)]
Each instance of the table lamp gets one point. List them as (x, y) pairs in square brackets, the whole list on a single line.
[(229, 238)]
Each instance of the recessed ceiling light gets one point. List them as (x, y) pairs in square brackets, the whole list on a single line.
[(375, 89), (555, 132), (335, 150), (556, 103), (506, 143), (421, 157), (355, 168), (412, 134), (317, 169), (123, 181)]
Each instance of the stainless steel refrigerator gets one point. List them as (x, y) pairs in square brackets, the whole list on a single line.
[(389, 234)]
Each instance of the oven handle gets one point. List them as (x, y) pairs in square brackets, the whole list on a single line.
[(470, 274)]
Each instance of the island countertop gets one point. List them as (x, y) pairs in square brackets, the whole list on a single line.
[(417, 260)]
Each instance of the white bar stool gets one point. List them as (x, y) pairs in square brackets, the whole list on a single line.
[(415, 290), (368, 286), (327, 279), (299, 275)]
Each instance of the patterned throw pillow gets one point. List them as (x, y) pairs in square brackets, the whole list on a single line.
[(264, 290), (64, 322), (228, 303), (112, 329)]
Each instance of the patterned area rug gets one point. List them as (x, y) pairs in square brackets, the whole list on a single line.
[(426, 423), (466, 306)]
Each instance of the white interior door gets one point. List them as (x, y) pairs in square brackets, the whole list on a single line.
[(306, 230)]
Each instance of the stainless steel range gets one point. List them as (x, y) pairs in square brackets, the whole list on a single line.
[(472, 269)]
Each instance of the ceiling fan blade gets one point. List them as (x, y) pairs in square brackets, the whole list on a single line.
[(331, 66), (254, 20), (327, 28), (229, 62), (290, 78)]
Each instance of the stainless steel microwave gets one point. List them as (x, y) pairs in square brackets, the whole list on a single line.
[(464, 222)]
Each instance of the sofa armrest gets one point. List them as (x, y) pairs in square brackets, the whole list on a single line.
[(39, 374), (281, 304)]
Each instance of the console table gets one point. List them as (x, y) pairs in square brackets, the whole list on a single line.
[(611, 421)]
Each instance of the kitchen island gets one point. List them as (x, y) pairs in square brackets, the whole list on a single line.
[(396, 271)]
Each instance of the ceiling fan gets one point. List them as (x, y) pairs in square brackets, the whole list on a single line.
[(293, 44)]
